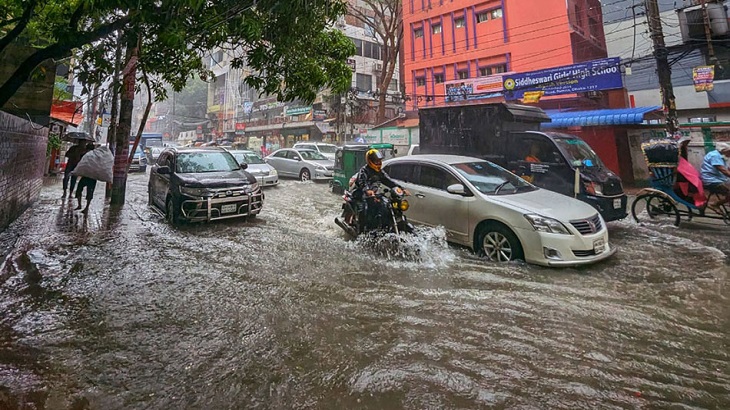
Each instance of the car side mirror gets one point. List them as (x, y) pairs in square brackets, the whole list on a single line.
[(243, 165), (298, 158), (164, 170), (456, 189)]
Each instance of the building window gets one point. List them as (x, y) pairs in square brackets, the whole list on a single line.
[(593, 27), (482, 17), (420, 81), (436, 28), (364, 82), (417, 33), (459, 22), (495, 69), (496, 14), (702, 119), (463, 75), (438, 78), (393, 85)]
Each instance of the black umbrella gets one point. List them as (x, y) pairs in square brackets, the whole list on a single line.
[(73, 136)]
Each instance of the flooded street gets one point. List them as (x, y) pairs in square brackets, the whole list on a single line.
[(122, 311)]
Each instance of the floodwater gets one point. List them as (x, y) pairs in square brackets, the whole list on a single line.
[(122, 311)]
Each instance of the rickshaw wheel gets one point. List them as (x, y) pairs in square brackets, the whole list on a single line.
[(656, 206), (725, 214)]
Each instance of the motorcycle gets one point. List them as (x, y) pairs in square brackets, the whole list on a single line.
[(383, 213)]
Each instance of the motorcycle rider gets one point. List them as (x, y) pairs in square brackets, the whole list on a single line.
[(371, 173)]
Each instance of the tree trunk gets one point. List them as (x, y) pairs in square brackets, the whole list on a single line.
[(19, 26), (119, 182), (111, 136)]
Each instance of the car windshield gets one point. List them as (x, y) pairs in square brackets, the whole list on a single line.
[(312, 155), (248, 157), (138, 152), (327, 149), (492, 179), (205, 161), (578, 152)]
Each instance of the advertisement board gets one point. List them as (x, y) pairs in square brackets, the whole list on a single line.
[(603, 74), (240, 128), (703, 77), (474, 88)]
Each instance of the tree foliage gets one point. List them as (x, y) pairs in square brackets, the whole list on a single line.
[(385, 19), (289, 45)]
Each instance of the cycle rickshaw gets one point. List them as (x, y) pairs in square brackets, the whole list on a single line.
[(676, 189)]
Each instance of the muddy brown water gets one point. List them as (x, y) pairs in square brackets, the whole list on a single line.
[(122, 311)]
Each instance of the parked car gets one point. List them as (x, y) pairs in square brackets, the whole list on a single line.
[(153, 153), (264, 173), (203, 184), (328, 150), (302, 164), (498, 214), (139, 160)]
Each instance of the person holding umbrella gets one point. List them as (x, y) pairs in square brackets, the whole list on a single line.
[(74, 156)]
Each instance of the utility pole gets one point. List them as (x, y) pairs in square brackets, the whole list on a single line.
[(664, 71)]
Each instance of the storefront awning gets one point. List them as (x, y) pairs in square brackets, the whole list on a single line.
[(617, 116)]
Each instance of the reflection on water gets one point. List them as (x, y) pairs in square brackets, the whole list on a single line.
[(283, 312)]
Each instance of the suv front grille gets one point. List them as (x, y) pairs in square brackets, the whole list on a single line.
[(231, 192), (588, 226)]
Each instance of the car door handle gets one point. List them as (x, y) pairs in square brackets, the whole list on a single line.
[(420, 196)]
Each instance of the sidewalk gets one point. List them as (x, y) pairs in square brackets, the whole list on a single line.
[(53, 219)]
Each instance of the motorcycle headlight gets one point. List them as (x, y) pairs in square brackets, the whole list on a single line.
[(404, 205), (194, 191), (544, 224)]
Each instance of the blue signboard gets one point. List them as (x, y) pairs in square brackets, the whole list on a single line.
[(593, 75)]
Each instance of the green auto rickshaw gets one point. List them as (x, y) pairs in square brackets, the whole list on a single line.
[(350, 158)]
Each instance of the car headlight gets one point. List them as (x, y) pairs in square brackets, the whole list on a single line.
[(544, 224), (272, 171), (321, 168), (194, 191)]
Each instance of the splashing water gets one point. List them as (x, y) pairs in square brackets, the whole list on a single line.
[(426, 247)]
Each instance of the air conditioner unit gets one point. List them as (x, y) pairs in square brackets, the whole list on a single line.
[(378, 66)]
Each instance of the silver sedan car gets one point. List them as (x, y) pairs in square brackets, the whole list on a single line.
[(264, 173), (302, 164)]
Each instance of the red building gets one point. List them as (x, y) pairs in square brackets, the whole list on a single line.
[(447, 40)]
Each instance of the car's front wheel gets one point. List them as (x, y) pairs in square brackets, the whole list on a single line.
[(172, 213), (498, 243), (305, 175)]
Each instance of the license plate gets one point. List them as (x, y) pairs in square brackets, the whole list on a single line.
[(617, 203), (599, 246), (227, 209)]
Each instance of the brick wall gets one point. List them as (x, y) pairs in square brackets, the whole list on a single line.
[(22, 159)]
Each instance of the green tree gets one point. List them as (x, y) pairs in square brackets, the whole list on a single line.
[(289, 45)]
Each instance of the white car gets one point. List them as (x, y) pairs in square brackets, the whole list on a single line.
[(498, 214), (303, 164), (328, 150), (264, 173)]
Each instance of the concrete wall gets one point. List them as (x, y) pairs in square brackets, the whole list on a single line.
[(22, 161)]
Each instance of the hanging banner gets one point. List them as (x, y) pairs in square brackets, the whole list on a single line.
[(474, 89), (593, 75), (240, 128), (703, 77)]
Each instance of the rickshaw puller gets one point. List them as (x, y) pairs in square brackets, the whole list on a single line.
[(716, 176)]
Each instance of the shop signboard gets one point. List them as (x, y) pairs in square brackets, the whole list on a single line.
[(240, 128), (298, 110), (603, 74), (320, 115)]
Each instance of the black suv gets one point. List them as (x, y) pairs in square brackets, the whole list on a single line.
[(203, 184)]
